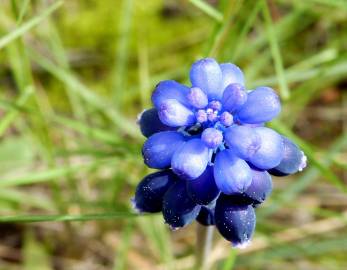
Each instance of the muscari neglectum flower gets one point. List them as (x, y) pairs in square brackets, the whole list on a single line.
[(213, 151)]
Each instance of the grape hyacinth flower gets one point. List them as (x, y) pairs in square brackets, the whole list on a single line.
[(213, 150)]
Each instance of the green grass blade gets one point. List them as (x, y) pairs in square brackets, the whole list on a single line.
[(229, 263), (305, 250), (309, 152), (208, 9), (322, 57), (144, 76), (35, 253), (121, 256), (121, 59), (23, 9), (68, 78), (159, 238), (330, 3), (27, 199), (56, 46), (7, 120), (339, 69), (310, 174), (25, 27), (223, 30), (48, 175), (61, 218), (245, 29), (276, 54), (89, 131)]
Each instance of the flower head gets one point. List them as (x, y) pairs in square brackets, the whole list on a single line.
[(211, 135)]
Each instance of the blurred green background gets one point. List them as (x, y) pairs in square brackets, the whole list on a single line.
[(75, 74)]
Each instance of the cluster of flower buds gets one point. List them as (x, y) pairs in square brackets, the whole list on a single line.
[(214, 155)]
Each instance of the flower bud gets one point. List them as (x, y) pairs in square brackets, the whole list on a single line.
[(235, 219), (293, 160), (203, 190), (150, 191), (178, 209)]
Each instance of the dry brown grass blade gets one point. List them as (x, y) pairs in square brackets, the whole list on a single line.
[(221, 250)]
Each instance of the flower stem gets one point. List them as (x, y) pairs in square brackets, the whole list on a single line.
[(204, 235)]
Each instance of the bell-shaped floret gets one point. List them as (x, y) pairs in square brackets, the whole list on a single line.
[(178, 208), (294, 160), (271, 151), (170, 90), (203, 190), (206, 215), (235, 219), (159, 148), (150, 191), (232, 174), (150, 123), (231, 74), (234, 96), (212, 137), (260, 187), (190, 159), (172, 113), (262, 105), (243, 140), (207, 75), (197, 98)]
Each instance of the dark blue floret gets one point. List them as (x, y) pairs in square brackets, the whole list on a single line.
[(235, 219), (293, 160), (203, 190), (150, 191), (150, 123), (260, 187), (206, 215), (178, 208)]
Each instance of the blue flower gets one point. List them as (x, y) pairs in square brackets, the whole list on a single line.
[(211, 135)]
